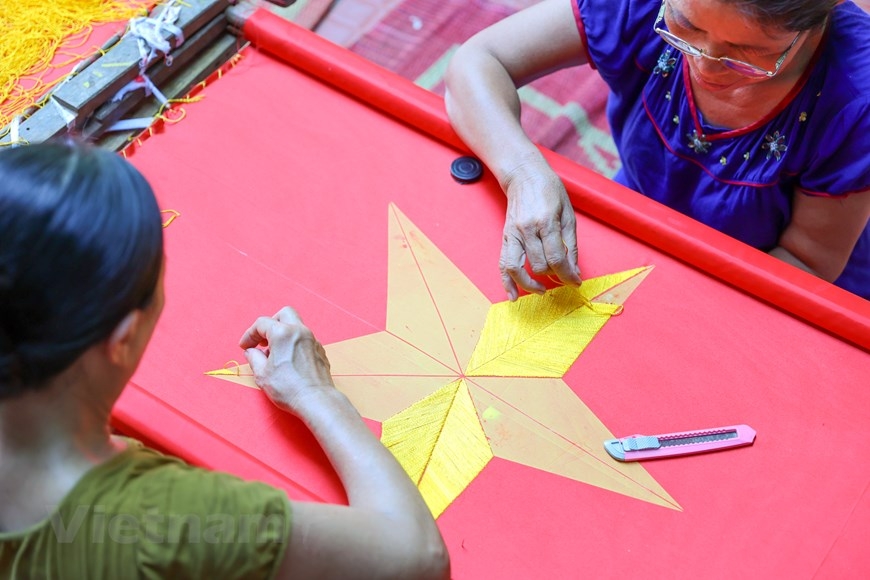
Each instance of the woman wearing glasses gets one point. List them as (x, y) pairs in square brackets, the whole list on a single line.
[(751, 116)]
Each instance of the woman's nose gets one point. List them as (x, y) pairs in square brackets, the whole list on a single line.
[(708, 65), (715, 50)]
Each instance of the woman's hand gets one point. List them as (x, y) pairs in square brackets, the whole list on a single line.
[(293, 364), (539, 227), (387, 530), (484, 107)]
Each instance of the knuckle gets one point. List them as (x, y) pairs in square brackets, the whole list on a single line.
[(532, 226), (509, 269), (540, 269), (556, 262)]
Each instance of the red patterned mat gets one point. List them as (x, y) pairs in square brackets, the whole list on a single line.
[(564, 112)]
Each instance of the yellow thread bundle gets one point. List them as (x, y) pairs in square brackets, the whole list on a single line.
[(33, 32), (440, 443)]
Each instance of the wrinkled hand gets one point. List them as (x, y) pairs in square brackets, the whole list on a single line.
[(292, 365), (539, 227)]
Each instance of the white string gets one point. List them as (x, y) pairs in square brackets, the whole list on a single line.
[(149, 33), (141, 82), (13, 131), (151, 37)]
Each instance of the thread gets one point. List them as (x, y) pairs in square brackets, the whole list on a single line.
[(592, 305), (35, 32), (231, 368), (173, 215), (440, 443)]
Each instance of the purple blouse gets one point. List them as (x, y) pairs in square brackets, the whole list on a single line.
[(739, 181)]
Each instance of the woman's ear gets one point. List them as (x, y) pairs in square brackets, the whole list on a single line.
[(123, 344)]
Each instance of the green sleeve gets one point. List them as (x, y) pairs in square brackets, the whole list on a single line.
[(201, 524), (145, 515)]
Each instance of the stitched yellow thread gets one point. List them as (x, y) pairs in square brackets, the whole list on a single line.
[(597, 307), (231, 368), (592, 305), (440, 443), (542, 336)]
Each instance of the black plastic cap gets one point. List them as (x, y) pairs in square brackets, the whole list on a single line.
[(466, 169)]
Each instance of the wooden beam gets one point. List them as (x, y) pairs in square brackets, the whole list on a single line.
[(71, 104), (199, 68), (109, 112)]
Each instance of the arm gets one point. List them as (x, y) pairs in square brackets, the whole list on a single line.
[(386, 531), (484, 108), (823, 232)]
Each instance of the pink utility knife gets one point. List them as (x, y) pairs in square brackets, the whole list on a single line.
[(639, 447)]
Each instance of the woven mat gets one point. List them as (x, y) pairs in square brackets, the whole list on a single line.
[(564, 112)]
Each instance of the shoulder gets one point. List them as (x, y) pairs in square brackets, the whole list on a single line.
[(185, 521), (617, 32), (140, 470), (630, 13), (837, 152), (837, 149), (846, 52), (616, 17)]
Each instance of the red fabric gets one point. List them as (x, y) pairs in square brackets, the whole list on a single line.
[(283, 183), (797, 292)]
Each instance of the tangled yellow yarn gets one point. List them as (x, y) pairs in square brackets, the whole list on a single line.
[(34, 32)]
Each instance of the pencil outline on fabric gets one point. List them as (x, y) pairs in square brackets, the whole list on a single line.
[(639, 447)]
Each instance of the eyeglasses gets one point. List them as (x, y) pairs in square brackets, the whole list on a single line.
[(744, 68)]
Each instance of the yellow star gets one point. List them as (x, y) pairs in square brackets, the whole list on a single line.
[(456, 380)]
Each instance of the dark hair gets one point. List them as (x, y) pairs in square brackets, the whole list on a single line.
[(81, 246), (794, 15)]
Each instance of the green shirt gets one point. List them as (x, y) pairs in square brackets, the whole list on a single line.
[(145, 515)]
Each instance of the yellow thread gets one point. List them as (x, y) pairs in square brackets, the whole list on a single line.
[(166, 108), (34, 31), (194, 99), (116, 64), (173, 214), (538, 335), (592, 305), (73, 58), (181, 114), (440, 443), (232, 368)]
